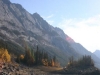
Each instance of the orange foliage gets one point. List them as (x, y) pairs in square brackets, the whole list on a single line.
[(57, 64), (21, 57), (45, 62), (52, 63)]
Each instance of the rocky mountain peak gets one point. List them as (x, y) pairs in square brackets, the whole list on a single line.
[(97, 53), (6, 2), (36, 14), (18, 6)]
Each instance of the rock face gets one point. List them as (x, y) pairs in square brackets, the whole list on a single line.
[(17, 26)]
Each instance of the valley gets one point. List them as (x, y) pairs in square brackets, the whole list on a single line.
[(29, 45)]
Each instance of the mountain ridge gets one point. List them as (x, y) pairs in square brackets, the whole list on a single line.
[(17, 25), (97, 53)]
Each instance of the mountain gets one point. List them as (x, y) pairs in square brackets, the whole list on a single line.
[(97, 53), (19, 28)]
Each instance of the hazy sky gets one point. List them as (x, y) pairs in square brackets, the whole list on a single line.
[(80, 19)]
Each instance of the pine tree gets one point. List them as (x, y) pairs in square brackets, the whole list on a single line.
[(54, 58), (28, 59), (37, 56)]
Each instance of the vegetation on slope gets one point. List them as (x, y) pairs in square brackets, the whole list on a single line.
[(82, 63), (38, 57)]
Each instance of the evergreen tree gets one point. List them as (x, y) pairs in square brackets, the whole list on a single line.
[(28, 59), (54, 58), (37, 56), (84, 62)]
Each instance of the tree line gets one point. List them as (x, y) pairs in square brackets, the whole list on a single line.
[(84, 62), (38, 57)]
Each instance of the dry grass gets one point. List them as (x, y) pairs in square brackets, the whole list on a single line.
[(49, 69)]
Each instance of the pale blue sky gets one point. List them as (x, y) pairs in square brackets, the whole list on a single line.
[(62, 8), (78, 18)]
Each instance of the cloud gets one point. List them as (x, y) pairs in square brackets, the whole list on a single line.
[(84, 31), (49, 19), (50, 22), (50, 16)]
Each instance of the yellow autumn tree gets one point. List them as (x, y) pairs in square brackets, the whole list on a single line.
[(45, 62), (5, 55), (52, 62), (21, 57), (57, 64)]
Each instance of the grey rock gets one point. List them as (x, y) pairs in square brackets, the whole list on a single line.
[(16, 24)]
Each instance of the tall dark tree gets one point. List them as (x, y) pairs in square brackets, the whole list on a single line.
[(54, 58), (28, 59), (37, 56)]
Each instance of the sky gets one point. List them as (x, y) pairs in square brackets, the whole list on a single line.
[(79, 19)]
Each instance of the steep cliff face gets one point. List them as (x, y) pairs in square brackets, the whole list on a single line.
[(16, 25)]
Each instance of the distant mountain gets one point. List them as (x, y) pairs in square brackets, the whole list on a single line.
[(97, 53), (19, 28), (83, 51)]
